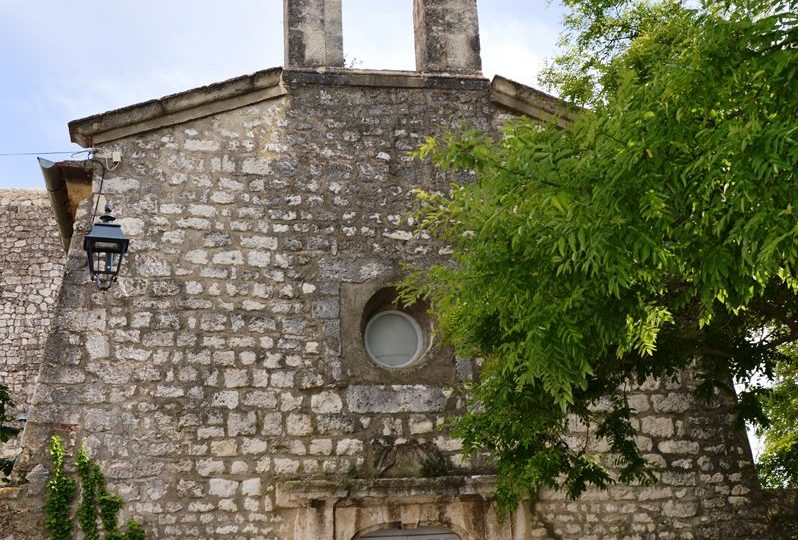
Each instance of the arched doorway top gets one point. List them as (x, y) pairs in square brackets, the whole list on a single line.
[(422, 533)]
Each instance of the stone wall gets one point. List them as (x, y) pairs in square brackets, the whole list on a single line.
[(219, 385), (31, 267), (782, 508), (707, 486)]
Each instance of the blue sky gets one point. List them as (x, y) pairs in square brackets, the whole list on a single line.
[(62, 60)]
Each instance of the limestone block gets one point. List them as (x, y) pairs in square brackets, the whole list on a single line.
[(222, 487), (241, 423), (385, 399), (227, 399), (251, 487), (657, 426), (298, 424), (678, 447), (224, 448), (327, 402)]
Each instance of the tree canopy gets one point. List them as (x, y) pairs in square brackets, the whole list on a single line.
[(656, 231), (778, 466)]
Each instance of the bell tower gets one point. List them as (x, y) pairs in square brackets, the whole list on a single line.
[(446, 35), (313, 32)]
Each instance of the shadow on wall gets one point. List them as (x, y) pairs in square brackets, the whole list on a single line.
[(782, 506)]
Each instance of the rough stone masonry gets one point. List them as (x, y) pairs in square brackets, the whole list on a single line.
[(31, 266), (222, 384)]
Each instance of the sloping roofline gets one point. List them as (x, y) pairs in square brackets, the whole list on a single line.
[(275, 82), (69, 182)]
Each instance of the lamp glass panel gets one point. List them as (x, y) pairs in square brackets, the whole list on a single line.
[(106, 262), (103, 245)]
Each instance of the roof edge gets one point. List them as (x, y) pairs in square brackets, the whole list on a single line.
[(59, 199), (384, 78), (176, 108), (60, 178), (532, 102), (272, 83), (246, 90)]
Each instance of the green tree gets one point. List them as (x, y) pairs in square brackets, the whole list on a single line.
[(778, 464), (656, 231)]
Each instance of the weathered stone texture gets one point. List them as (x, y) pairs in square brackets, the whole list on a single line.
[(313, 33), (213, 373), (31, 266), (213, 370), (706, 489), (447, 36)]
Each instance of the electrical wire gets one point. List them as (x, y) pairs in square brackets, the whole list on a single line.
[(72, 152), (100, 190), (90, 151)]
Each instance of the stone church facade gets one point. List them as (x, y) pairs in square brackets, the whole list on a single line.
[(224, 383)]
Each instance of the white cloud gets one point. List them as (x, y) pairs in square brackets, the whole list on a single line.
[(517, 48)]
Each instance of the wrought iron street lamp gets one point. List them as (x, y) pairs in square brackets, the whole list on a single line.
[(105, 246)]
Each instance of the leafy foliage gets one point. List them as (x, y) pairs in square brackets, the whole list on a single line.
[(96, 502), (655, 231), (60, 494), (778, 467), (87, 511)]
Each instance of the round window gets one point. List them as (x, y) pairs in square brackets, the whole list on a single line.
[(393, 339)]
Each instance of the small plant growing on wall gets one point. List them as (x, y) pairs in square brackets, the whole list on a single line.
[(98, 510), (60, 494), (6, 431)]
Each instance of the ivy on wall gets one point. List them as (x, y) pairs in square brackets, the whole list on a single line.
[(60, 494), (98, 511)]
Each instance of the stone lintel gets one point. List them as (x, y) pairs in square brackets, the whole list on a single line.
[(300, 492), (313, 33), (447, 36), (396, 398), (531, 102), (176, 108)]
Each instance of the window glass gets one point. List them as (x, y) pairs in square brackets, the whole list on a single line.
[(393, 339)]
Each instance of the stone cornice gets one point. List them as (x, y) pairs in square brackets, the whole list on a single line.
[(384, 79), (276, 82), (177, 108), (526, 100)]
